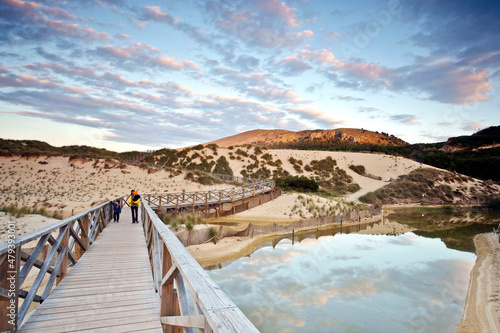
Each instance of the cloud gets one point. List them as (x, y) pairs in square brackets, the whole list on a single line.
[(446, 82), (369, 109), (29, 21), (472, 126), (268, 24), (351, 99), (443, 81), (142, 55), (155, 13), (464, 32), (406, 119), (316, 116)]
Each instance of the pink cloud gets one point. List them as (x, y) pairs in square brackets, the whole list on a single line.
[(316, 115), (27, 81), (76, 90), (61, 13), (276, 95), (77, 31), (123, 36), (172, 63), (280, 10), (25, 5), (472, 126)]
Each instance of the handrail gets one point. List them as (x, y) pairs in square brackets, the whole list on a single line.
[(75, 235), (173, 269)]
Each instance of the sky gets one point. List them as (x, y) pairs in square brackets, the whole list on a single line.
[(137, 75)]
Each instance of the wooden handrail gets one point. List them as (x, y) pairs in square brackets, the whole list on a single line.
[(214, 310), (75, 235)]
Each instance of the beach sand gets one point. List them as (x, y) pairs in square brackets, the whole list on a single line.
[(482, 305)]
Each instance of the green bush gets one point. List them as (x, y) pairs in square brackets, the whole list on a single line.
[(359, 169), (302, 184), (167, 219), (212, 232), (175, 224), (189, 225)]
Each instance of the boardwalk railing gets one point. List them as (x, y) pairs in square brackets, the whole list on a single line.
[(204, 201), (175, 271), (59, 246)]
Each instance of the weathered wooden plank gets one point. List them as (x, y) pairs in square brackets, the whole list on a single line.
[(67, 312), (110, 289), (184, 321), (95, 325), (94, 321)]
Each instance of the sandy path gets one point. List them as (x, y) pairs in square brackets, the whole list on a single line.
[(482, 305)]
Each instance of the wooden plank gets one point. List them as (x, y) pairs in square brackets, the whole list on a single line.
[(184, 321), (71, 313), (95, 325), (94, 321), (111, 289)]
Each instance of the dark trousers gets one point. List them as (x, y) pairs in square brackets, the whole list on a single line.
[(116, 216), (135, 216)]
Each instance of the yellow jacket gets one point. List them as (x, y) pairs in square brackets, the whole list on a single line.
[(134, 203)]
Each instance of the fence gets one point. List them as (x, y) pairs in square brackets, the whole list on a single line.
[(211, 203), (67, 240), (195, 237), (175, 271)]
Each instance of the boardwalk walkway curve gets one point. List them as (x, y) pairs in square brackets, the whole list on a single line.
[(112, 270)]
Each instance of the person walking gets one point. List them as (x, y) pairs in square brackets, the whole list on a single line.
[(134, 201), (117, 209)]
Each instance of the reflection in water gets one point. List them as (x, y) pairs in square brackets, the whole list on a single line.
[(351, 283)]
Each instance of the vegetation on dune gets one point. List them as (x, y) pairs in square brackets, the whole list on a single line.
[(27, 148), (16, 211), (453, 226), (429, 184), (300, 184)]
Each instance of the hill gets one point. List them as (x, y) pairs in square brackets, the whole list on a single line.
[(477, 155), (310, 139), (38, 148)]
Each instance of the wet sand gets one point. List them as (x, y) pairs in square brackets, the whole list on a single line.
[(482, 305)]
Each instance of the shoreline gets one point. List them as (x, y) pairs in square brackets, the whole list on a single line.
[(232, 248), (482, 304)]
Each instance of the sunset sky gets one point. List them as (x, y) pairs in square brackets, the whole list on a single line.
[(128, 75)]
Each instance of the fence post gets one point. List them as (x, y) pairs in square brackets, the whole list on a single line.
[(64, 246), (9, 277)]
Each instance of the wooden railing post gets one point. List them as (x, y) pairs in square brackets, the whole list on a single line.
[(64, 244), (167, 297), (9, 289)]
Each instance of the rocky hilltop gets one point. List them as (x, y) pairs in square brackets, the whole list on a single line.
[(285, 139)]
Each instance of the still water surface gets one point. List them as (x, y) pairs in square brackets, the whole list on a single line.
[(351, 283)]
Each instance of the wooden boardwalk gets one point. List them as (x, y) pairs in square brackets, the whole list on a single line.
[(110, 289)]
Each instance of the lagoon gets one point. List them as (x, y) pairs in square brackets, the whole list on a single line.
[(351, 283)]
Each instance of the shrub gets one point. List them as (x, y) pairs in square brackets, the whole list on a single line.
[(175, 224), (167, 219), (359, 169), (353, 187), (189, 225), (212, 232), (297, 183)]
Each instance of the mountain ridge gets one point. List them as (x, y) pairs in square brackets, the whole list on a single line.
[(279, 138)]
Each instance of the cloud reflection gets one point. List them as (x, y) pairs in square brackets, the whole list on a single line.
[(350, 283)]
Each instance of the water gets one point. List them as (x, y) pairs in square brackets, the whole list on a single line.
[(351, 283)]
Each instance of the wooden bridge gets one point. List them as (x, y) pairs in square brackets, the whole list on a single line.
[(95, 275)]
